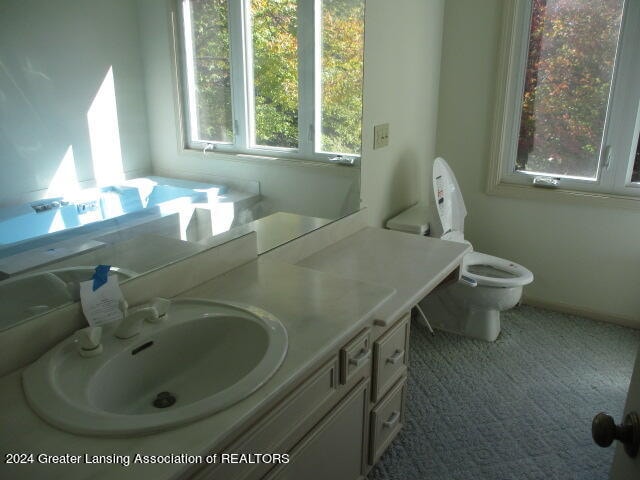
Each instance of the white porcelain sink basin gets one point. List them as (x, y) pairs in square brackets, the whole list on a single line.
[(204, 357)]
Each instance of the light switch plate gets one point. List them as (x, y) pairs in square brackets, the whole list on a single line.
[(380, 135)]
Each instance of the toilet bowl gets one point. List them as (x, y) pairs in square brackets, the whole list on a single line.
[(491, 271), (486, 286)]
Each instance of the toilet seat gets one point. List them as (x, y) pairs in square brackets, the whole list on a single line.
[(509, 274)]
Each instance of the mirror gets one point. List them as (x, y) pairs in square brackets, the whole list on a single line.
[(93, 131)]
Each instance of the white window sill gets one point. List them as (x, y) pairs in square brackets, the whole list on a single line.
[(256, 159), (563, 195)]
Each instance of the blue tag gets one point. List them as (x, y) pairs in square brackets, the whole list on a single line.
[(101, 276)]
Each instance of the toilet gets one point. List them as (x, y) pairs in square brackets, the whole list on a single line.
[(486, 286)]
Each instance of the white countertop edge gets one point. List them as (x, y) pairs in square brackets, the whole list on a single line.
[(389, 313)]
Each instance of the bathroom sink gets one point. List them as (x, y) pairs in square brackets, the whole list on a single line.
[(203, 357)]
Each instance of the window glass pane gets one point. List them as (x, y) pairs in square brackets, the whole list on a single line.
[(342, 58), (275, 72), (572, 47), (210, 76), (635, 175)]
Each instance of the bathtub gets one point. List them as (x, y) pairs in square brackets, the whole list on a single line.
[(19, 223)]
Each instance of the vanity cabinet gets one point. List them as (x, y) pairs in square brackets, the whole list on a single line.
[(338, 421)]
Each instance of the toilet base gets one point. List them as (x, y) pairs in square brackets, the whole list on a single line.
[(464, 310)]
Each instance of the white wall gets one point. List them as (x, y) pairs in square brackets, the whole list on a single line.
[(54, 56), (402, 70), (585, 258), (325, 191)]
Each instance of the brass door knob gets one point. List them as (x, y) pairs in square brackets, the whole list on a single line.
[(604, 431)]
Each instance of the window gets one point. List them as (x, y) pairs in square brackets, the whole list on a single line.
[(273, 77), (569, 117)]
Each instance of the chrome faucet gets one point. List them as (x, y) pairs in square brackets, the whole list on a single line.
[(131, 324)]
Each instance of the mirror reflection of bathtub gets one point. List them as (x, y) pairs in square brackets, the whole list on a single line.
[(47, 231), (84, 125), (48, 246)]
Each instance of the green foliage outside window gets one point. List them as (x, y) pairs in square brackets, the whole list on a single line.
[(275, 71), (342, 61), (274, 39), (572, 47), (213, 69)]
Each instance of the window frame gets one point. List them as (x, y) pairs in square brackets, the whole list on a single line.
[(243, 112), (622, 125)]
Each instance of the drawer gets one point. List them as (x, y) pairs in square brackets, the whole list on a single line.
[(281, 428), (355, 356), (390, 357), (386, 420)]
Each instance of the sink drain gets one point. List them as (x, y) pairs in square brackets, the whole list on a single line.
[(164, 400)]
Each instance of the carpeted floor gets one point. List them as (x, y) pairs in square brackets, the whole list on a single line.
[(519, 408)]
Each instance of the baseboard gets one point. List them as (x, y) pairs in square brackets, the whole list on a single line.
[(622, 320)]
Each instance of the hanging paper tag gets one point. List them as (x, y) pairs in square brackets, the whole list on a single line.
[(102, 305)]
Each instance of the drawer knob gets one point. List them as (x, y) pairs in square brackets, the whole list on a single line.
[(396, 357), (360, 359), (393, 419)]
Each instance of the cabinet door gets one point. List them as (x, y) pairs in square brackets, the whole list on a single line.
[(335, 448), (281, 429)]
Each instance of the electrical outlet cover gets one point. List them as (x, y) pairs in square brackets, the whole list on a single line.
[(380, 135)]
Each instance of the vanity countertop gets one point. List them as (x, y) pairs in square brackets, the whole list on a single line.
[(322, 302), (412, 264), (320, 312)]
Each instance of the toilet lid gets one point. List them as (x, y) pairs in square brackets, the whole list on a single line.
[(494, 271), (448, 198)]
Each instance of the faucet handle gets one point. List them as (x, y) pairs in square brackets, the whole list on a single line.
[(161, 307), (131, 323), (88, 340)]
